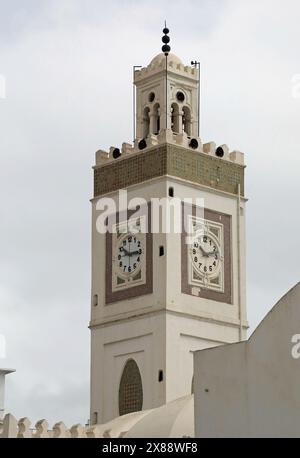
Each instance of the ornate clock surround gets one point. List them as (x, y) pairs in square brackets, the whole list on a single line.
[(112, 295), (225, 295)]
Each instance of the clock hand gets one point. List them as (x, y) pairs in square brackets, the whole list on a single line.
[(134, 252), (213, 253), (204, 252)]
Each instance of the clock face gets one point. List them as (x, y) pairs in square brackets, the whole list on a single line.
[(206, 248), (205, 252), (129, 254), (129, 259)]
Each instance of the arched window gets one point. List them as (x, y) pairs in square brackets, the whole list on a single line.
[(156, 119), (175, 118), (146, 121), (131, 389), (186, 121)]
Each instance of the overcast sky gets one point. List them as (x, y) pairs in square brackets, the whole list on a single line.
[(68, 71)]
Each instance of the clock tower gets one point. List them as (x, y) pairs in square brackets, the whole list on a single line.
[(160, 294)]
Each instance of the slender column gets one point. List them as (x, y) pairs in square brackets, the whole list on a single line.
[(153, 120), (180, 121)]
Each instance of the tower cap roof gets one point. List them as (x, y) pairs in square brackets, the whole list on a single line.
[(157, 60)]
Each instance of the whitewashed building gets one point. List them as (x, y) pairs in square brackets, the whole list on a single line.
[(3, 374)]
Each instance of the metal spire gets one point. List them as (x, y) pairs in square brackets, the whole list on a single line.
[(166, 39)]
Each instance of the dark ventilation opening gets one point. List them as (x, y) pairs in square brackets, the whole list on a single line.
[(151, 97), (116, 153), (142, 144), (95, 300), (171, 192), (220, 152), (160, 376), (180, 96), (161, 251), (194, 143)]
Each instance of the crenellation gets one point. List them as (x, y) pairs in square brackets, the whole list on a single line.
[(127, 148), (12, 428), (209, 148), (101, 157), (42, 427), (169, 137), (24, 428), (152, 69), (78, 431), (60, 430), (237, 157)]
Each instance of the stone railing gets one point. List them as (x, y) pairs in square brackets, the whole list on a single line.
[(12, 428)]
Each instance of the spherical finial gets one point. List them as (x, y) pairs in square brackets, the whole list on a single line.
[(166, 39), (166, 49)]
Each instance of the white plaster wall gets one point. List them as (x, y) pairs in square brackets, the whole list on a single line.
[(185, 335), (196, 306), (142, 339), (125, 308), (115, 326), (253, 387)]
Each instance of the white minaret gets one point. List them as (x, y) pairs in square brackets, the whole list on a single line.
[(156, 299)]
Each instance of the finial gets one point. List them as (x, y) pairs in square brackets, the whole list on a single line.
[(166, 39)]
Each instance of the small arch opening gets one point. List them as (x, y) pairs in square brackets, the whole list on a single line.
[(146, 121), (156, 119), (186, 121), (171, 192), (175, 118), (95, 300)]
